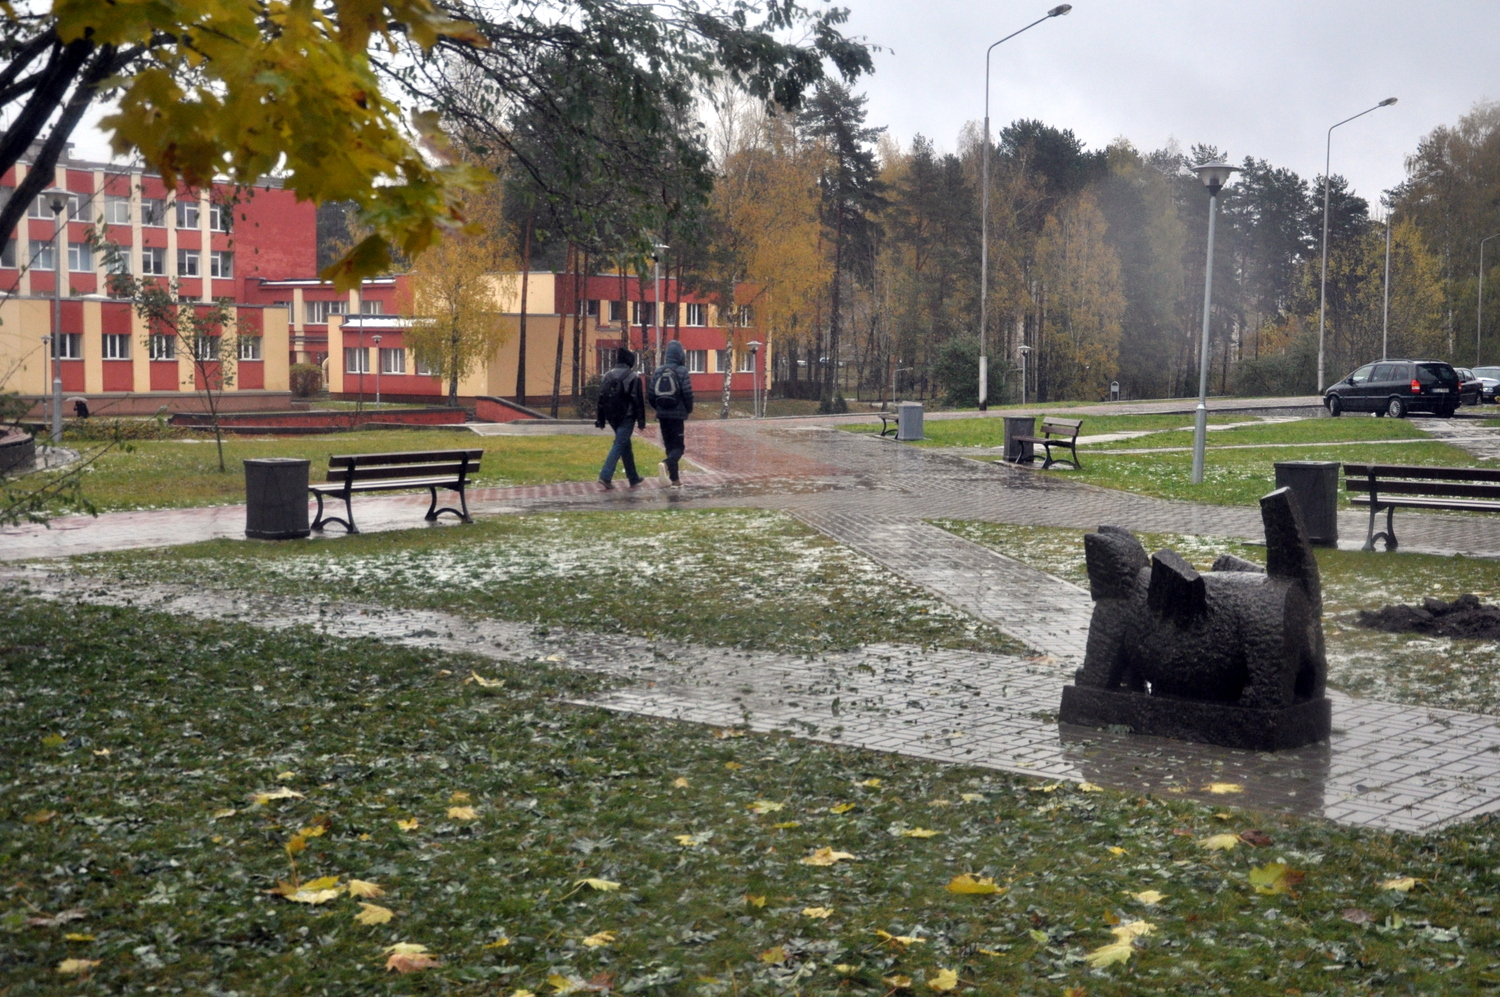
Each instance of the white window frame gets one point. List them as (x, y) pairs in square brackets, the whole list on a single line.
[(744, 362), (162, 347), (697, 315), (220, 217), (80, 257), (356, 360), (188, 263), (643, 313), (41, 207), (44, 256), (747, 316), (221, 264), (393, 360), (250, 347), (156, 255), (722, 359), (367, 307), (318, 311), (153, 212), (70, 346), (697, 361), (116, 209), (187, 213), (208, 348), (616, 311), (424, 369), (116, 346)]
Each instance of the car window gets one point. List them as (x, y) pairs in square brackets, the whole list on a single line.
[(1363, 374), (1386, 372), (1441, 372), (1493, 372)]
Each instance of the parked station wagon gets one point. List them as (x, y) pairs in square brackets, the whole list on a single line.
[(1395, 388)]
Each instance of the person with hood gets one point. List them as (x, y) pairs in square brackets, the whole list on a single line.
[(623, 407), (670, 392)]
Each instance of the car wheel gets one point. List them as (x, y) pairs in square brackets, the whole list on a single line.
[(1335, 406), (1396, 409)]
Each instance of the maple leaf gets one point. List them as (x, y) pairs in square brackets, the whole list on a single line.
[(1274, 878), (901, 941), (968, 883), (773, 956), (765, 807), (462, 813), (1149, 897), (1131, 930), (75, 967), (364, 888), (373, 914), (1221, 788), (408, 957), (315, 891), (825, 856), (410, 824), (599, 940), (920, 832), (898, 982), (603, 885), (754, 900), (681, 782), (1115, 850), (458, 796), (944, 981), (279, 793), (477, 679), (820, 913), (1219, 842), (1401, 884), (564, 985), (871, 783), (841, 808), (693, 840)]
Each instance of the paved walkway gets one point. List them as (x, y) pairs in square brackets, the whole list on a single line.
[(1387, 766)]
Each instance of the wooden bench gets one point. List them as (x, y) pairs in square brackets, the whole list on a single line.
[(890, 423), (1390, 487), (385, 472), (1056, 433)]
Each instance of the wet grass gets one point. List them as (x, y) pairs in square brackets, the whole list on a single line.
[(134, 851), (1403, 668), (990, 432), (743, 578)]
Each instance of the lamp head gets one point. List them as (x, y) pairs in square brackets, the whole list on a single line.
[(1060, 10), (58, 202), (1387, 102), (1215, 175), (377, 339)]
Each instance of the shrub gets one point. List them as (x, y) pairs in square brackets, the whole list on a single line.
[(587, 400), (306, 379), (956, 371)]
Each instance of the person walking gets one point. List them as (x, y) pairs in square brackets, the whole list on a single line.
[(670, 393), (623, 407)]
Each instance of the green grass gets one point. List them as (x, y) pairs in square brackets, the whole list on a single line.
[(991, 432), (1341, 430), (744, 578), (1405, 668), (135, 742), (165, 474)]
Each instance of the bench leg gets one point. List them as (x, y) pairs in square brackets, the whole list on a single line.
[(317, 523), (432, 506), (323, 519), (1388, 534), (349, 511), (1048, 462), (461, 513)]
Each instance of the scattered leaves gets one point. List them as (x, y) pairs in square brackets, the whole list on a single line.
[(943, 980), (1401, 884), (1219, 842), (599, 939), (1089, 787), (603, 885), (825, 856), (406, 957), (1222, 788), (1119, 950), (314, 891), (1274, 878), (75, 967), (462, 813), (966, 882), (373, 914)]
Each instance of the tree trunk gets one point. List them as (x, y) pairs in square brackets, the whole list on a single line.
[(453, 344), (562, 325), (835, 299), (579, 278), (728, 367), (521, 342)]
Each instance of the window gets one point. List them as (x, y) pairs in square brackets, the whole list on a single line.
[(745, 362), (153, 261), (643, 313), (187, 262), (221, 263), (116, 346), (70, 346), (42, 206), (616, 311), (425, 369), (116, 259), (187, 213), (590, 308), (250, 348), (721, 361), (356, 360), (153, 211), (697, 315), (318, 311), (8, 255), (669, 313), (371, 307), (392, 360), (80, 257), (697, 361), (747, 315), (163, 347), (206, 348), (116, 210), (42, 256), (221, 217)]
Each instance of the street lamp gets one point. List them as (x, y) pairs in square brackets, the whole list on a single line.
[(1025, 352), (379, 363), (754, 345), (656, 250), (1479, 323), (984, 214), (1385, 305), (1214, 177), (1323, 280), (60, 268)]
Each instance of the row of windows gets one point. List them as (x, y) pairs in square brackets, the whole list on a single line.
[(117, 347), (392, 361), (117, 211), (153, 260), (697, 361), (317, 312), (644, 313)]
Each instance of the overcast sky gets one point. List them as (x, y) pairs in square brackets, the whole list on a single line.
[(1264, 78)]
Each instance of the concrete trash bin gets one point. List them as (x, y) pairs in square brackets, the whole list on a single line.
[(276, 498), (909, 421), (1015, 450), (1315, 486)]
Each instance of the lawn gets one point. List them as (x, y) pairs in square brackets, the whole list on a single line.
[(162, 775), (744, 578), (990, 432), (176, 473), (1404, 668)]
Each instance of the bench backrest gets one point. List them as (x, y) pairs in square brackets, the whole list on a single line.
[(1408, 479), (1061, 427), (459, 464)]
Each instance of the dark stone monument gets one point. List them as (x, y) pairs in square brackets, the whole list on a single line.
[(1232, 657)]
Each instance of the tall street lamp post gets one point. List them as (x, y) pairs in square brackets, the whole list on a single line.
[(754, 346), (379, 363), (1385, 305), (60, 259), (1479, 322), (656, 250), (1323, 280), (984, 212), (1214, 177)]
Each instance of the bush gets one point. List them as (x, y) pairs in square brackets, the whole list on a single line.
[(956, 372), (98, 430), (1294, 372), (587, 401), (306, 379)]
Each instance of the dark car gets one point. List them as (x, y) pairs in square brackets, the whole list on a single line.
[(1489, 377), (1396, 388), (1470, 387)]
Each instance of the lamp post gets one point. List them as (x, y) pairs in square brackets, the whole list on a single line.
[(1025, 351), (60, 268), (378, 364), (1385, 305), (656, 250), (1214, 177), (894, 372), (754, 345), (984, 213), (1479, 322), (1323, 279)]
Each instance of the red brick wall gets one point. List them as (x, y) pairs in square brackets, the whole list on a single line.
[(274, 237)]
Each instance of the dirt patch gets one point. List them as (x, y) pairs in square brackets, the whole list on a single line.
[(1464, 617)]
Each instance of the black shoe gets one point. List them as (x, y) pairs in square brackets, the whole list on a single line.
[(636, 482), (606, 484)]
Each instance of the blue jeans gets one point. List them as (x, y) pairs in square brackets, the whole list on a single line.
[(621, 451)]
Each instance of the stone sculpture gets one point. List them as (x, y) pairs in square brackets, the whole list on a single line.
[(1231, 657)]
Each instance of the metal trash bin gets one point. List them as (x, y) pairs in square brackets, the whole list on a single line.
[(276, 498), (909, 421), (1015, 450), (1315, 486)]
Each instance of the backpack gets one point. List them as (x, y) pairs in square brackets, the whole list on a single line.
[(663, 384), (614, 395)]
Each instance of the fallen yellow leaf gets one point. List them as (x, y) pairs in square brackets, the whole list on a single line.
[(1149, 897), (693, 840), (1221, 788), (399, 962), (841, 808), (410, 824), (681, 782), (1050, 787), (733, 766), (1274, 878), (498, 943), (1108, 955), (898, 982), (73, 967), (458, 796), (1220, 842), (462, 813), (602, 885), (102, 753), (1115, 850), (786, 825), (364, 888), (972, 797), (476, 679), (968, 883), (1089, 787), (845, 969), (766, 807), (901, 941), (599, 940), (1401, 884), (1132, 930), (373, 914), (563, 985), (817, 912), (825, 856), (75, 936), (944, 981), (522, 993), (773, 956), (920, 832), (279, 793), (871, 783), (226, 812), (755, 901)]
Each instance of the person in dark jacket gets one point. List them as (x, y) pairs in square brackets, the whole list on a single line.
[(670, 392), (623, 407)]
